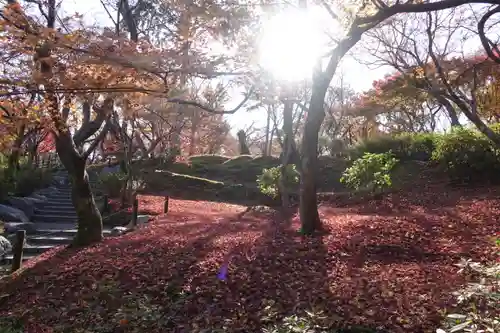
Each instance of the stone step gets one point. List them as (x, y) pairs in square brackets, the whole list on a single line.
[(45, 228), (60, 201), (50, 239), (65, 211), (59, 195), (67, 232), (38, 249), (49, 189), (8, 258), (63, 191), (61, 208), (53, 218)]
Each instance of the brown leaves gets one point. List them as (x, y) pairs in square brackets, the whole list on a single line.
[(387, 268)]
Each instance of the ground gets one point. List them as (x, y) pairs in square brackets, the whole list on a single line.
[(386, 264)]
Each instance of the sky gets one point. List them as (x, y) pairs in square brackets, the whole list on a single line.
[(356, 75)]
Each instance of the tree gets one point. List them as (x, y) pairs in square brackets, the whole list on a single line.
[(242, 140), (366, 17), (90, 71), (188, 26), (428, 71)]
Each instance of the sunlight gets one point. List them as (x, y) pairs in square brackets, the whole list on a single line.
[(291, 44)]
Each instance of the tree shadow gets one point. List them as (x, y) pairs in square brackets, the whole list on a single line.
[(273, 272)]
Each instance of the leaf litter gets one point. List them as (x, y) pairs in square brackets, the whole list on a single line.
[(386, 264)]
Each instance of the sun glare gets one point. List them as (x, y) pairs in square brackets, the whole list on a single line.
[(291, 44)]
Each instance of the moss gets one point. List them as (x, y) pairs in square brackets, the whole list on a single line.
[(238, 160), (208, 159)]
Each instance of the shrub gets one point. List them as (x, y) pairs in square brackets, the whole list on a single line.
[(406, 146), (7, 186), (398, 145), (477, 303), (25, 182), (269, 180), (111, 183), (467, 154), (372, 171), (421, 145), (28, 180)]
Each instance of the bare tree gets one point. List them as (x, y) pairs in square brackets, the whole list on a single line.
[(369, 15)]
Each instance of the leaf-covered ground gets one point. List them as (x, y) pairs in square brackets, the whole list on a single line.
[(385, 264)]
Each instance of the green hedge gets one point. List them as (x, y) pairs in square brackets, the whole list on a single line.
[(405, 146), (465, 154)]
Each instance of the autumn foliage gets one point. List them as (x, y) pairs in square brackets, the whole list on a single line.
[(410, 88), (387, 263)]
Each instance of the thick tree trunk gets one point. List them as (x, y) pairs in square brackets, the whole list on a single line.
[(89, 218), (308, 210)]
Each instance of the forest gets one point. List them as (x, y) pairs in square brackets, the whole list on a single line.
[(249, 166)]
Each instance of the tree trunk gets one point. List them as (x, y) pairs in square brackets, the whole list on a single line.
[(483, 128), (308, 210), (286, 155), (13, 162), (32, 161), (194, 128), (89, 218), (185, 31), (470, 112), (268, 126), (452, 113), (242, 139)]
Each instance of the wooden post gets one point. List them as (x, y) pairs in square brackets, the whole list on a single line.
[(18, 250), (105, 206), (165, 205), (135, 210)]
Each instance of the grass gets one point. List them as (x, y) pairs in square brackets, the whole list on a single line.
[(386, 265)]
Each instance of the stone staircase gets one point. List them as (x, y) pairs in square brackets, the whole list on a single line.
[(55, 221)]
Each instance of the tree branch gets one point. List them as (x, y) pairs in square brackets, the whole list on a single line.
[(488, 45), (90, 128), (96, 141), (209, 109)]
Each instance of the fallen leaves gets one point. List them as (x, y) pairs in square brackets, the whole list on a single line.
[(389, 268)]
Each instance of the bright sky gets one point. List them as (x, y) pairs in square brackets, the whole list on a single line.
[(358, 76)]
